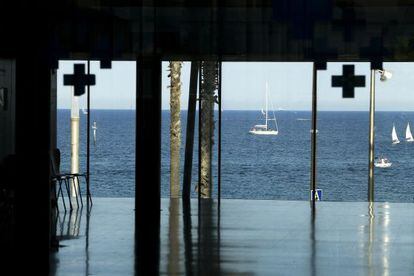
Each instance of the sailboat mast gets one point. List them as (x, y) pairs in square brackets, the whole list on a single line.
[(266, 105)]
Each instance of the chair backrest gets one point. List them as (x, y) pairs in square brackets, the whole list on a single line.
[(55, 161)]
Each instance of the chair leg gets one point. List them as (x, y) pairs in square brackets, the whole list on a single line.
[(88, 192), (76, 194), (61, 193), (90, 199), (68, 192), (79, 190), (55, 200)]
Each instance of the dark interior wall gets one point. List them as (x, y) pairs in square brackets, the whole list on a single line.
[(31, 39), (32, 181), (8, 109), (53, 109)]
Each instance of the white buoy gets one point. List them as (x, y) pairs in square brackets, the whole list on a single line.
[(94, 128), (74, 122)]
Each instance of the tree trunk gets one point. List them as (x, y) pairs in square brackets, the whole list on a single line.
[(175, 127), (209, 75)]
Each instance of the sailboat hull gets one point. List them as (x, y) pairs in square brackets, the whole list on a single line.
[(382, 165), (264, 132)]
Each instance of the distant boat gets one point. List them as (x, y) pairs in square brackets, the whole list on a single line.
[(382, 162), (84, 111), (408, 135), (265, 129), (394, 136)]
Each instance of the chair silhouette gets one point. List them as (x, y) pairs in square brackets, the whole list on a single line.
[(65, 178), (58, 178)]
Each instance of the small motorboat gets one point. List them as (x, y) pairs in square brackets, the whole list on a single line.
[(382, 163)]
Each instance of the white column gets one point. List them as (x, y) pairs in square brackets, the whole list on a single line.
[(74, 160), (267, 88)]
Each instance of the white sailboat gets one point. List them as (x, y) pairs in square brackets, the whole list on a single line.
[(408, 135), (266, 129), (394, 136), (84, 111)]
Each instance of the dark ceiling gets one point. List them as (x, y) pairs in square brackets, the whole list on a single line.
[(279, 30)]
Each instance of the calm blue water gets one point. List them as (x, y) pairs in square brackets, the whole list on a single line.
[(261, 167)]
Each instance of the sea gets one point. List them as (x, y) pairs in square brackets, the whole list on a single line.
[(258, 167)]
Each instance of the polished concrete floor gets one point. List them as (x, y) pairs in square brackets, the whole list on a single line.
[(243, 237)]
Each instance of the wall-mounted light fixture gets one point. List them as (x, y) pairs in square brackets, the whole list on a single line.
[(385, 75)]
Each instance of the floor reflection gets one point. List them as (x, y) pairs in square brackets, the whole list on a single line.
[(208, 250), (243, 237), (312, 243), (370, 228), (375, 240), (201, 255), (188, 238), (69, 224), (173, 239)]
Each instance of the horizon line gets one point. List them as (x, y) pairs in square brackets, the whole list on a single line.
[(283, 110)]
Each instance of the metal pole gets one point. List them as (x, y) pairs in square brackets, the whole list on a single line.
[(88, 127), (74, 121), (219, 138), (199, 135), (313, 134), (371, 138), (189, 141)]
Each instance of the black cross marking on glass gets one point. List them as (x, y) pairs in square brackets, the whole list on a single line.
[(348, 81), (79, 79)]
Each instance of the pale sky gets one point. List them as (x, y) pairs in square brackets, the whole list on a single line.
[(243, 86)]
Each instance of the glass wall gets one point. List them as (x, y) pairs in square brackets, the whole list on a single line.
[(266, 159), (112, 133), (395, 108), (342, 139), (278, 97)]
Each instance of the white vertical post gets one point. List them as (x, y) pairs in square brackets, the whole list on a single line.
[(371, 137), (74, 122), (267, 87)]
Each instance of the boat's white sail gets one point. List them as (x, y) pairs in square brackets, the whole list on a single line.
[(266, 129), (408, 135), (394, 136)]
